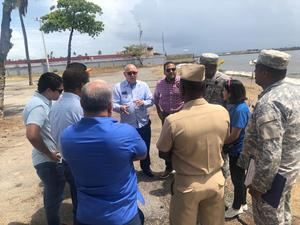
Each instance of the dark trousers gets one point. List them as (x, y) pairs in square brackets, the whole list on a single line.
[(54, 183), (145, 133), (70, 180), (237, 178), (168, 162), (54, 176), (138, 219)]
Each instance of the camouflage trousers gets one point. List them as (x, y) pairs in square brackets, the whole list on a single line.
[(265, 214), (225, 167)]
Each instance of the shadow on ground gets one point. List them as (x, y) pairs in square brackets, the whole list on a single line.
[(165, 188), (12, 110), (39, 217)]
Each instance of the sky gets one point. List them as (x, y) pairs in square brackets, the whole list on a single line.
[(188, 26)]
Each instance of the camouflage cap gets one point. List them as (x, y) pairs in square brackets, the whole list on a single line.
[(274, 59), (209, 58), (193, 72)]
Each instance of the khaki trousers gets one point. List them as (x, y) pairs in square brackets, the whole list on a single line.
[(198, 199)]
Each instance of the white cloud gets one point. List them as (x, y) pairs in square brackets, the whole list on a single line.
[(196, 25)]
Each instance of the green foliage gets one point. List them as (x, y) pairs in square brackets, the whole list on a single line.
[(71, 15), (135, 50), (22, 6)]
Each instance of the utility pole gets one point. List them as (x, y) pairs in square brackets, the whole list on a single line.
[(44, 44), (163, 43), (140, 33)]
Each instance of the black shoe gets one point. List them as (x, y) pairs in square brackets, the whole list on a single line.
[(148, 173), (166, 174)]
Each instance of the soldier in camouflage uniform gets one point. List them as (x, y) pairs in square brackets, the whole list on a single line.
[(273, 137), (215, 81)]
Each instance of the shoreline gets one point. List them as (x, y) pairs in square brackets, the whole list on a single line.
[(290, 79)]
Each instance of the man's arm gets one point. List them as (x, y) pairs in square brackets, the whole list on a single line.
[(159, 111), (165, 141), (33, 134), (249, 145), (116, 99), (268, 159), (148, 100), (140, 148), (116, 96), (156, 98)]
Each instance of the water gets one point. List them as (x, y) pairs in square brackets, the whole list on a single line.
[(241, 63)]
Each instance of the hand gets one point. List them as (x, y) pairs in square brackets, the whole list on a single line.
[(254, 193), (139, 102), (124, 109), (55, 155)]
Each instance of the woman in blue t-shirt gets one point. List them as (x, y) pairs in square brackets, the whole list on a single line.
[(234, 93)]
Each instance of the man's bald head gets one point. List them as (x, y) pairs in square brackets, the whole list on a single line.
[(130, 67), (96, 96), (130, 73)]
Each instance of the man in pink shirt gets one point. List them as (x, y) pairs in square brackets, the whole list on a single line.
[(168, 100)]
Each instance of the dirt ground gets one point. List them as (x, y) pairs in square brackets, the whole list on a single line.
[(21, 189)]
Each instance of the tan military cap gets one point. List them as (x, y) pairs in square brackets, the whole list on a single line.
[(209, 58), (274, 59), (193, 72)]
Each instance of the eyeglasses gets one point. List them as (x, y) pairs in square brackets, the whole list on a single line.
[(130, 73), (171, 69), (59, 90)]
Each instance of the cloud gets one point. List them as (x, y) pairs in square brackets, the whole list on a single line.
[(196, 25)]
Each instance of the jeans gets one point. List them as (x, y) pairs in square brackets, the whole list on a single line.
[(54, 176), (54, 182), (238, 178), (138, 219), (145, 133)]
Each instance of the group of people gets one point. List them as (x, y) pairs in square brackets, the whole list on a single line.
[(207, 134)]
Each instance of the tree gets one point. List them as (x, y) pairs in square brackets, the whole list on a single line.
[(5, 46), (73, 15), (136, 51), (22, 8)]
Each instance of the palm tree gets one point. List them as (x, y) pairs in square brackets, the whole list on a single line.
[(22, 8), (5, 46)]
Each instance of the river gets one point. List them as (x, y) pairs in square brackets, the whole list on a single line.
[(241, 63)]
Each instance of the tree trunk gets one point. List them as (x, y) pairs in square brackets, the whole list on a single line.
[(69, 47), (140, 60), (5, 46), (26, 48)]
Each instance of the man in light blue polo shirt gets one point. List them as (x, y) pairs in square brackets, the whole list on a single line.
[(45, 157), (65, 112), (132, 98), (100, 152)]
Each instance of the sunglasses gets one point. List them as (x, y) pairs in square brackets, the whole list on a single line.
[(59, 90), (130, 73), (171, 69)]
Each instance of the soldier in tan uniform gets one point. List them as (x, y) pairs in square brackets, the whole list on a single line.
[(273, 138), (214, 82), (194, 138)]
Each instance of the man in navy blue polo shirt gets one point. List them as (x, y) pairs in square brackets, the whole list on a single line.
[(100, 152)]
